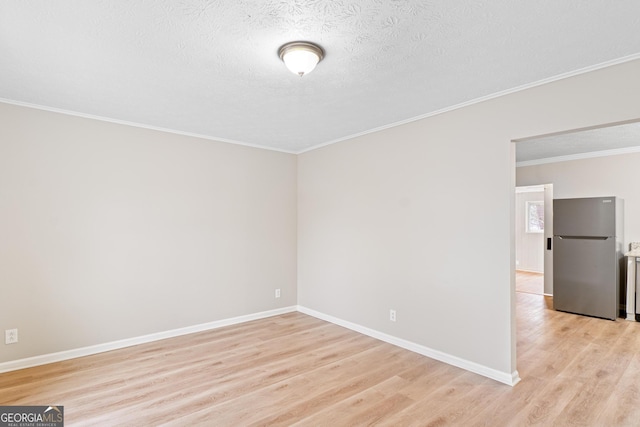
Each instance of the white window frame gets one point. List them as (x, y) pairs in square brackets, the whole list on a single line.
[(534, 225)]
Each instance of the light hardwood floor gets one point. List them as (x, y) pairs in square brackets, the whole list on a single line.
[(297, 370), (527, 281)]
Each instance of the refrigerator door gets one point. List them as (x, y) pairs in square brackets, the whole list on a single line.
[(595, 216), (637, 285), (585, 276)]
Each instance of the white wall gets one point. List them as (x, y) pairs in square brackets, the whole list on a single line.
[(109, 232), (529, 246), (419, 218), (594, 177)]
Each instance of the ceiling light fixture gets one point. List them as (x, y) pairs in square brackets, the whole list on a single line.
[(301, 57)]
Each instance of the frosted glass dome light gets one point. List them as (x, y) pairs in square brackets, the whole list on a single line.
[(301, 57)]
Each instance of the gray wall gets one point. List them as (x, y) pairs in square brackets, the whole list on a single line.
[(110, 232)]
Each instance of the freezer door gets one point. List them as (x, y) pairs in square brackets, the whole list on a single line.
[(593, 216), (585, 276)]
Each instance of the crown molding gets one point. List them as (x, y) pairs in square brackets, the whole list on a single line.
[(556, 78), (137, 125)]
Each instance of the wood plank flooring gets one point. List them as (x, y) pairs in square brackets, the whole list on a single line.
[(530, 282), (297, 370)]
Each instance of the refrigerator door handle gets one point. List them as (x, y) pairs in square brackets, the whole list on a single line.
[(584, 237), (549, 239)]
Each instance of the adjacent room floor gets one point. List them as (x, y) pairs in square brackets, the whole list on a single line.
[(529, 282)]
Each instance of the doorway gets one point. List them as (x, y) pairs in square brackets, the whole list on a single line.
[(533, 233)]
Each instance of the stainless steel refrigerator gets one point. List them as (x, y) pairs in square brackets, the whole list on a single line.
[(587, 253)]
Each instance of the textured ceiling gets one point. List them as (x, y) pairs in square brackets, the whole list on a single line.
[(211, 68), (621, 138)]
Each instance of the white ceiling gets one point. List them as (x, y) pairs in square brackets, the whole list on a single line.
[(586, 143), (210, 67)]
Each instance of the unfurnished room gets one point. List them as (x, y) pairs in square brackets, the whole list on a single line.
[(311, 213)]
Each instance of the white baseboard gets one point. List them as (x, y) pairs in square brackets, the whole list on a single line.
[(114, 345), (503, 377), (509, 379), (524, 270)]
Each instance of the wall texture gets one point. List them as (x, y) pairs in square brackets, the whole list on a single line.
[(109, 232), (419, 218)]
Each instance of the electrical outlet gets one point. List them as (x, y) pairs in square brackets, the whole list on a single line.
[(277, 293), (392, 315), (11, 336)]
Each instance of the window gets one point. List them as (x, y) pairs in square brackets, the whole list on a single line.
[(535, 217)]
